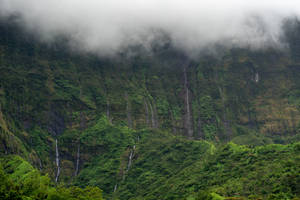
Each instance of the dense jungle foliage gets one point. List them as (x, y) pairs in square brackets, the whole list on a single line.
[(157, 125), (19, 180)]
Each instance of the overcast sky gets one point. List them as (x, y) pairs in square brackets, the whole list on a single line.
[(106, 26)]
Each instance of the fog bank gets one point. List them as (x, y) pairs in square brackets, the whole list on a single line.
[(108, 26)]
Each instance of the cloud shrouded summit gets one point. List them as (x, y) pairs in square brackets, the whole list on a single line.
[(106, 26)]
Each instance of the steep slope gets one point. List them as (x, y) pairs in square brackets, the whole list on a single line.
[(208, 98), (137, 125), (267, 172), (19, 180)]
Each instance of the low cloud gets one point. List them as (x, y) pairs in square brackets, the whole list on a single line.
[(108, 26)]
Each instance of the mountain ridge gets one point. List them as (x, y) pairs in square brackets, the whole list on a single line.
[(151, 120)]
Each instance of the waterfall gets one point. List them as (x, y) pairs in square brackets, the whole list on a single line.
[(78, 160), (116, 187), (57, 161), (130, 157), (152, 116), (256, 78), (147, 112), (153, 123), (107, 111), (187, 103)]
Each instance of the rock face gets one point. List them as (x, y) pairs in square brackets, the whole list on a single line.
[(165, 91), (92, 106), (128, 111), (56, 123)]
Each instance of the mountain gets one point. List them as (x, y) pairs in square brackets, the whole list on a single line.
[(149, 125)]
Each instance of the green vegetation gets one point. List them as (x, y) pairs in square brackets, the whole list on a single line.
[(169, 167), (19, 180), (121, 124), (174, 168), (109, 145)]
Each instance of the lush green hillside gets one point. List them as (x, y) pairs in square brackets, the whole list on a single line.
[(166, 167), (150, 126), (19, 180), (266, 172)]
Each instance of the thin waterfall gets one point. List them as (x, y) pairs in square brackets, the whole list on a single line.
[(130, 160), (77, 160), (57, 161), (116, 187), (188, 122), (152, 116), (147, 112), (256, 78), (130, 157)]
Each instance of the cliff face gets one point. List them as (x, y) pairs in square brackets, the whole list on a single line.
[(48, 86), (57, 103)]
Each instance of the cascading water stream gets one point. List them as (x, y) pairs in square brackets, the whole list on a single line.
[(129, 160), (256, 78), (187, 103), (131, 154), (57, 161), (147, 112), (130, 157), (116, 187), (152, 116), (77, 160)]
